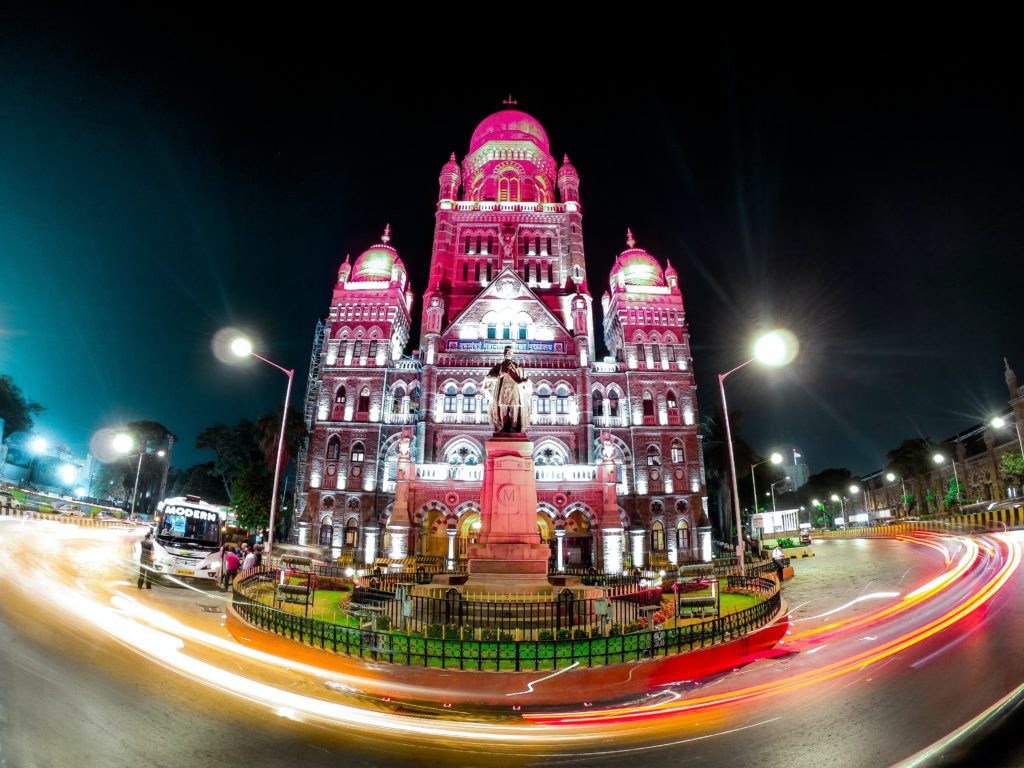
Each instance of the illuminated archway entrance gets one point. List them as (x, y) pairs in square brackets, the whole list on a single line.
[(579, 541), (433, 535)]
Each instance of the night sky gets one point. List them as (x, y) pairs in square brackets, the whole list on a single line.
[(158, 183)]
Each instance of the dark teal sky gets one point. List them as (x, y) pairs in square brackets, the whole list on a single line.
[(159, 183)]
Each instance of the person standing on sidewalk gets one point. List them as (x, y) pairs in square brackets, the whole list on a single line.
[(230, 566), (146, 561)]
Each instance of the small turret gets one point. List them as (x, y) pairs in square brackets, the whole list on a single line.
[(345, 270), (449, 180), (568, 182)]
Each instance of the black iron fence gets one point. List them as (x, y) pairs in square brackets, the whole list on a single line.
[(484, 653), (515, 616)]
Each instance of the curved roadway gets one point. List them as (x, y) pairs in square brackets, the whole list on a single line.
[(894, 644)]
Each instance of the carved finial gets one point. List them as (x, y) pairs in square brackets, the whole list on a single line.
[(510, 102), (565, 159), (1006, 363), (386, 237), (347, 257), (452, 158), (630, 240)]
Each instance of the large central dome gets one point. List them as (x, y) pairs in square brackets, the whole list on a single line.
[(509, 125)]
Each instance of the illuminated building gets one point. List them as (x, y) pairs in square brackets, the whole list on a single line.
[(507, 268)]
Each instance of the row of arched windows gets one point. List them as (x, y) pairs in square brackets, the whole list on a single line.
[(357, 455)]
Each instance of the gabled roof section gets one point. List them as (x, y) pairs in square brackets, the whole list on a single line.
[(509, 286)]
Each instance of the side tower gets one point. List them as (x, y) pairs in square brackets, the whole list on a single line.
[(647, 398), (366, 391)]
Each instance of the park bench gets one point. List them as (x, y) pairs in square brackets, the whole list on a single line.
[(301, 593), (702, 605)]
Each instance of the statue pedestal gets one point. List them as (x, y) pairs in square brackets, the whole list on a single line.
[(508, 555)]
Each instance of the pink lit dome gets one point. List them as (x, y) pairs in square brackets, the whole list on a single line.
[(376, 263), (635, 266), (509, 125)]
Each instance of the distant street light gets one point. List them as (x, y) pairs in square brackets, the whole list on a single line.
[(783, 480), (842, 506), (38, 445), (938, 458), (891, 477), (242, 347), (68, 473), (123, 443), (775, 458), (999, 422), (774, 348)]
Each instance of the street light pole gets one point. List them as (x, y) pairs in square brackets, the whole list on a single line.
[(999, 422), (775, 458), (138, 471), (732, 464), (773, 492), (243, 348)]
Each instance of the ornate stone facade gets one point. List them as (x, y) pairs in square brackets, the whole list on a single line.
[(507, 268)]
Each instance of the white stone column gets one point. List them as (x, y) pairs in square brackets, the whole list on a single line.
[(612, 549), (399, 539), (370, 545), (451, 547), (636, 536), (560, 544)]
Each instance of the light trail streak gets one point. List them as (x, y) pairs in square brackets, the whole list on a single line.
[(852, 664), (529, 685), (910, 601)]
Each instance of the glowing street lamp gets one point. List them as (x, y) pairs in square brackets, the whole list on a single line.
[(938, 458), (842, 506), (775, 348), (242, 347), (892, 477), (776, 459), (38, 445), (999, 422), (124, 443), (68, 474)]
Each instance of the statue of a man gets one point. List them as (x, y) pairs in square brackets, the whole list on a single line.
[(509, 391)]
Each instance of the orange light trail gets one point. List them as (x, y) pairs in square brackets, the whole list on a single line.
[(854, 663)]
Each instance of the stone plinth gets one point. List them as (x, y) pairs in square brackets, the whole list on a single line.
[(508, 548)]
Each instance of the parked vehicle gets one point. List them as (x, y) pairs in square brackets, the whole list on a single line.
[(7, 500)]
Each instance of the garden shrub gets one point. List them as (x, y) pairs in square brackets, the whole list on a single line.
[(434, 630), (563, 634), (580, 634), (545, 635)]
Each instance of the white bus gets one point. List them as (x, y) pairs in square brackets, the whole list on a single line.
[(189, 536)]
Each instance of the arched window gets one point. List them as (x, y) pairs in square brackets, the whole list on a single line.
[(469, 399), (562, 399), (338, 409), (597, 403), (357, 350), (683, 536), (641, 355), (613, 403), (351, 533), (334, 448), (544, 399), (656, 352), (363, 405), (673, 406), (657, 537), (450, 394), (358, 453), (677, 452), (371, 352), (414, 399), (648, 405), (653, 456), (398, 401)]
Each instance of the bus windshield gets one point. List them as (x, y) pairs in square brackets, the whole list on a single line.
[(191, 528)]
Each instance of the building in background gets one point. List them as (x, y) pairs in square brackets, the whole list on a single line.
[(507, 268), (798, 472)]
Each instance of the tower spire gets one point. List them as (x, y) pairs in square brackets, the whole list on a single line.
[(509, 102), (630, 240), (386, 237)]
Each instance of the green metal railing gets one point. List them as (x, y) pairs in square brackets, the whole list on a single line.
[(504, 653)]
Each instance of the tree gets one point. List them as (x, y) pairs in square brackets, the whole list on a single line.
[(235, 449), (199, 480), (912, 460), (821, 486), (17, 412), (251, 496), (268, 429), (716, 464), (1011, 466)]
